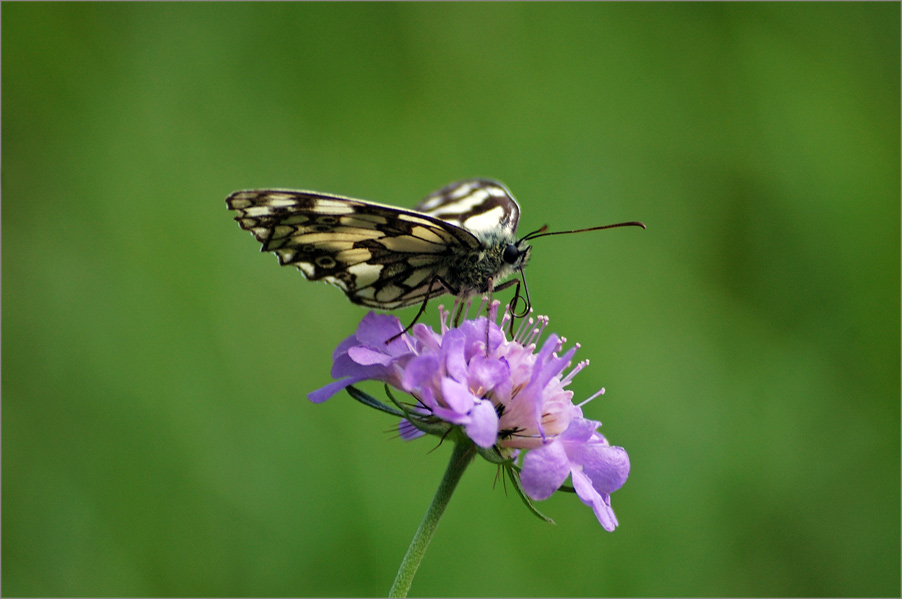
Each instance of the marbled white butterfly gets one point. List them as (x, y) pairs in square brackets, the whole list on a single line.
[(460, 240)]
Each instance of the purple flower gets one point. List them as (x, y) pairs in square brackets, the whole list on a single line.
[(365, 356), (596, 468), (506, 397)]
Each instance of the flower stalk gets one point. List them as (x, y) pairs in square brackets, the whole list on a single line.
[(460, 458)]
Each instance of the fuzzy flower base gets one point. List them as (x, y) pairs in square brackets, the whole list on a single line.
[(507, 395)]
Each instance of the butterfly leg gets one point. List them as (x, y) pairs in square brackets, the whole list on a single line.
[(442, 285), (490, 289), (516, 300), (511, 305)]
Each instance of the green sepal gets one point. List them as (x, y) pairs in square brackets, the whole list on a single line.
[(493, 455), (514, 475), (430, 425), (368, 400), (392, 398), (427, 424)]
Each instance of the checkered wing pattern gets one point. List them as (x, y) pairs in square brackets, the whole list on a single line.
[(382, 256)]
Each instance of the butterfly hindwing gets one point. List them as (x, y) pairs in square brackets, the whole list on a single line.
[(482, 206)]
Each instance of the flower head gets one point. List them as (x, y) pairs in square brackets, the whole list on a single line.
[(506, 396)]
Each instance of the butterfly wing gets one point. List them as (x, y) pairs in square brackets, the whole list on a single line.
[(380, 256), (482, 206)]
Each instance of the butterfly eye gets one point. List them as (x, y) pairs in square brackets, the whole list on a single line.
[(511, 254)]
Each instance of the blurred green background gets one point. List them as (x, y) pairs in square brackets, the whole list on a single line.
[(156, 436)]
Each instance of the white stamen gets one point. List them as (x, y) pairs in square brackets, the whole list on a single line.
[(566, 380), (600, 392), (520, 336)]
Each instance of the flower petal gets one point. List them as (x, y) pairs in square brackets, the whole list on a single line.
[(483, 426), (475, 333), (342, 364), (606, 466), (324, 393), (457, 396), (428, 339), (453, 355), (600, 503), (407, 431), (544, 470), (367, 357), (375, 329), (420, 372), (487, 373), (580, 431)]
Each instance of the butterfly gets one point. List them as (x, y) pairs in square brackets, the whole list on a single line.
[(459, 240)]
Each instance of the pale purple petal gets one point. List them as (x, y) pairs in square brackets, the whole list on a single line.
[(544, 470), (427, 399), (324, 393), (606, 466), (503, 388), (483, 426), (407, 431), (449, 415), (419, 372), (547, 366), (428, 339), (580, 430), (457, 396), (375, 329), (453, 355), (346, 366), (342, 364), (475, 333), (488, 373), (368, 357), (436, 405), (600, 503), (540, 370), (344, 346)]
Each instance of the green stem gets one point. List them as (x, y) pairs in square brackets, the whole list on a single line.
[(460, 458)]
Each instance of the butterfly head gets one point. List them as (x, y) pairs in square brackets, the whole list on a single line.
[(516, 254)]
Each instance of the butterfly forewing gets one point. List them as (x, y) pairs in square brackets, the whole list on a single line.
[(382, 256)]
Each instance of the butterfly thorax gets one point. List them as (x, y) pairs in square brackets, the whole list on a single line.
[(469, 272)]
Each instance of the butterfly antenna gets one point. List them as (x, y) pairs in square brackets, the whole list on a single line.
[(543, 231)]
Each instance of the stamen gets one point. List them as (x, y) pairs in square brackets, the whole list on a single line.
[(492, 312), (520, 335), (540, 328), (467, 308), (569, 377), (504, 318), (443, 316), (600, 392), (543, 323)]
